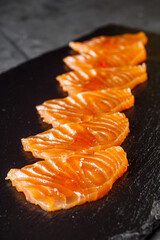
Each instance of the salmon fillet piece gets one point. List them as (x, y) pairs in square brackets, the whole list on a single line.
[(105, 59), (109, 42), (81, 178), (106, 131), (85, 106), (97, 79)]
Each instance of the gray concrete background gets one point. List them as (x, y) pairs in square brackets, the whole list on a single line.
[(29, 28)]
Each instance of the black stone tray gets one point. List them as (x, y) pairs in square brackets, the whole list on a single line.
[(132, 208)]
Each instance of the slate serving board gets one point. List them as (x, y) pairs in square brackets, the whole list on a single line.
[(132, 208)]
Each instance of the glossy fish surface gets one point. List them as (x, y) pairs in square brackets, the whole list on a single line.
[(85, 106), (62, 185), (109, 42), (105, 131), (129, 56), (96, 79)]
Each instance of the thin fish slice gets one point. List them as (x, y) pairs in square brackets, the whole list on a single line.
[(106, 131), (96, 79), (62, 185), (109, 42), (118, 58), (85, 106)]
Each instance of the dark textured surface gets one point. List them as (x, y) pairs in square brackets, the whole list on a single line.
[(31, 27), (132, 208)]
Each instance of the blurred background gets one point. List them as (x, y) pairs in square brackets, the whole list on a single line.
[(29, 28)]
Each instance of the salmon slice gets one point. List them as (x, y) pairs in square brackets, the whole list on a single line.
[(105, 131), (85, 106), (81, 178), (96, 79), (105, 59), (109, 42)]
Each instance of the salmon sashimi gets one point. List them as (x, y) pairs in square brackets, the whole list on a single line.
[(105, 131), (85, 106), (81, 178), (96, 79), (109, 42), (121, 57)]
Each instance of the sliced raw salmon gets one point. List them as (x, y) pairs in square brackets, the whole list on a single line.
[(105, 131), (121, 57), (85, 106), (96, 79), (109, 42), (81, 178)]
